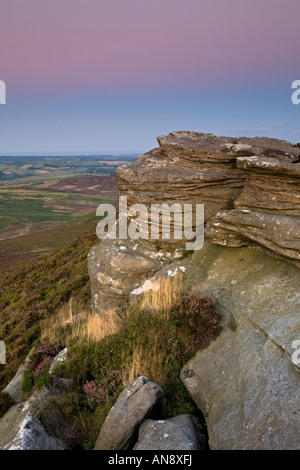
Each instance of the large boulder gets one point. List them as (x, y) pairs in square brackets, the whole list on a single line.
[(247, 382), (267, 212), (184, 432), (19, 430), (136, 403), (116, 267)]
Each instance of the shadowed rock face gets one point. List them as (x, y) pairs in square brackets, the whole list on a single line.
[(266, 212), (247, 382)]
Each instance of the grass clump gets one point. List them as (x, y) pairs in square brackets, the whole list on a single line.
[(74, 324), (37, 375), (58, 412)]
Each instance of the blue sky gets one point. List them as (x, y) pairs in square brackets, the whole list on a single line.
[(98, 77)]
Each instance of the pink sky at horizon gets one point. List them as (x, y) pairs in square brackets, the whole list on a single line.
[(73, 44), (96, 75)]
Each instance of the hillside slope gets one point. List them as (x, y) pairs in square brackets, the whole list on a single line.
[(36, 290)]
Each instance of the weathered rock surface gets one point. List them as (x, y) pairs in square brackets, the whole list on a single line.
[(182, 171), (59, 358), (267, 211), (192, 167), (116, 267), (14, 388), (19, 430), (136, 402), (184, 432), (247, 382)]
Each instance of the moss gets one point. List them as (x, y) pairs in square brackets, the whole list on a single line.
[(42, 380), (28, 381)]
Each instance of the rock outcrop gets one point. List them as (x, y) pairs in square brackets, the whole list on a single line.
[(185, 169), (247, 382), (136, 403), (19, 430), (250, 189), (184, 432), (116, 267), (267, 211), (192, 167)]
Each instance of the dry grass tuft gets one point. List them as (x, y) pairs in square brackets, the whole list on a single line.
[(75, 324), (153, 363), (100, 326), (152, 359), (164, 293)]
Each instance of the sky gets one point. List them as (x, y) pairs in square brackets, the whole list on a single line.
[(98, 76)]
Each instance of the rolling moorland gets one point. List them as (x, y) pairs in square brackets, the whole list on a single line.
[(41, 195)]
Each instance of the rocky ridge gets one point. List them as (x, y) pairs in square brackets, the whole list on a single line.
[(246, 382), (250, 189)]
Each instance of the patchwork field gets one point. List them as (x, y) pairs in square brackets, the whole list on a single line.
[(47, 202), (28, 170)]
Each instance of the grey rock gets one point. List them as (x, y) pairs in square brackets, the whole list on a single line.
[(192, 167), (59, 359), (182, 170), (246, 382), (136, 402), (184, 432), (116, 267), (19, 430), (14, 388)]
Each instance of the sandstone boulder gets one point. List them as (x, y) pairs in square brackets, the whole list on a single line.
[(116, 267), (185, 169), (183, 432), (14, 388), (136, 402)]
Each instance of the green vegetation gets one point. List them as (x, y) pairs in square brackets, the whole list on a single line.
[(44, 307), (152, 340), (37, 290), (21, 206), (14, 170), (19, 249), (60, 192)]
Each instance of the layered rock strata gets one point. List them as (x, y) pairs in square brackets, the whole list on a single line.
[(267, 212)]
